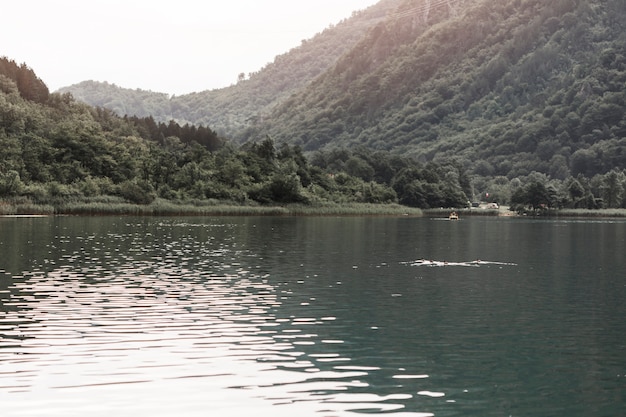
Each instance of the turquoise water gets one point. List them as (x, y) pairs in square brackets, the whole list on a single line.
[(314, 316)]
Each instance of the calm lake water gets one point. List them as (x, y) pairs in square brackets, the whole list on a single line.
[(281, 316)]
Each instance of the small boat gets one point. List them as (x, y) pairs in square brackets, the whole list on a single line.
[(453, 216)]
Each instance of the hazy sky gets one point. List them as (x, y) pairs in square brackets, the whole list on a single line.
[(170, 46)]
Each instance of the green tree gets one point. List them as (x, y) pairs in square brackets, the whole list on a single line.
[(613, 188), (378, 194), (266, 149), (10, 183), (233, 173), (537, 195), (137, 191), (37, 157), (576, 191), (534, 195), (359, 168), (285, 187)]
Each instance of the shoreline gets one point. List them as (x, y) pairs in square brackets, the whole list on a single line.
[(169, 208), (504, 212)]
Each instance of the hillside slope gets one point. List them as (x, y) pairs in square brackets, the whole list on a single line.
[(62, 156), (71, 157), (504, 88)]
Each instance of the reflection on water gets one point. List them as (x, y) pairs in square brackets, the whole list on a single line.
[(135, 320), (310, 316)]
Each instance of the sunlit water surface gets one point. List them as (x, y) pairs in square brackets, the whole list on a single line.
[(312, 317)]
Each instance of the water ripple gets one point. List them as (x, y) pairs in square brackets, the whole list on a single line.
[(98, 320), (309, 316)]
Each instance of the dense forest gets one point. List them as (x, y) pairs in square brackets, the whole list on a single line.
[(512, 93), (57, 151), (429, 103), (504, 89)]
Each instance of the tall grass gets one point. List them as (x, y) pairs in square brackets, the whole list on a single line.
[(116, 206), (25, 208), (161, 208), (168, 208), (354, 209)]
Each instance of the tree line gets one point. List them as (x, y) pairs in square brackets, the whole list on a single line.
[(501, 91), (62, 150)]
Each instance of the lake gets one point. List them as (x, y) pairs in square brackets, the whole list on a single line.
[(312, 316)]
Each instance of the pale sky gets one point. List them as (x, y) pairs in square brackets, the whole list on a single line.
[(169, 46)]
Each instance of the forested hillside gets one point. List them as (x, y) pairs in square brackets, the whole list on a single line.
[(231, 110), (70, 157), (541, 81), (520, 96), (508, 90)]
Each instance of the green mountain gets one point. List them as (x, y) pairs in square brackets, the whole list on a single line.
[(231, 110), (512, 94), (504, 88)]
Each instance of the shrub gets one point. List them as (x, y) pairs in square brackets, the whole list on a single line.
[(137, 191), (10, 183)]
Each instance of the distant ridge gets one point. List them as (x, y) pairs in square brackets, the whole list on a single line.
[(231, 110)]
